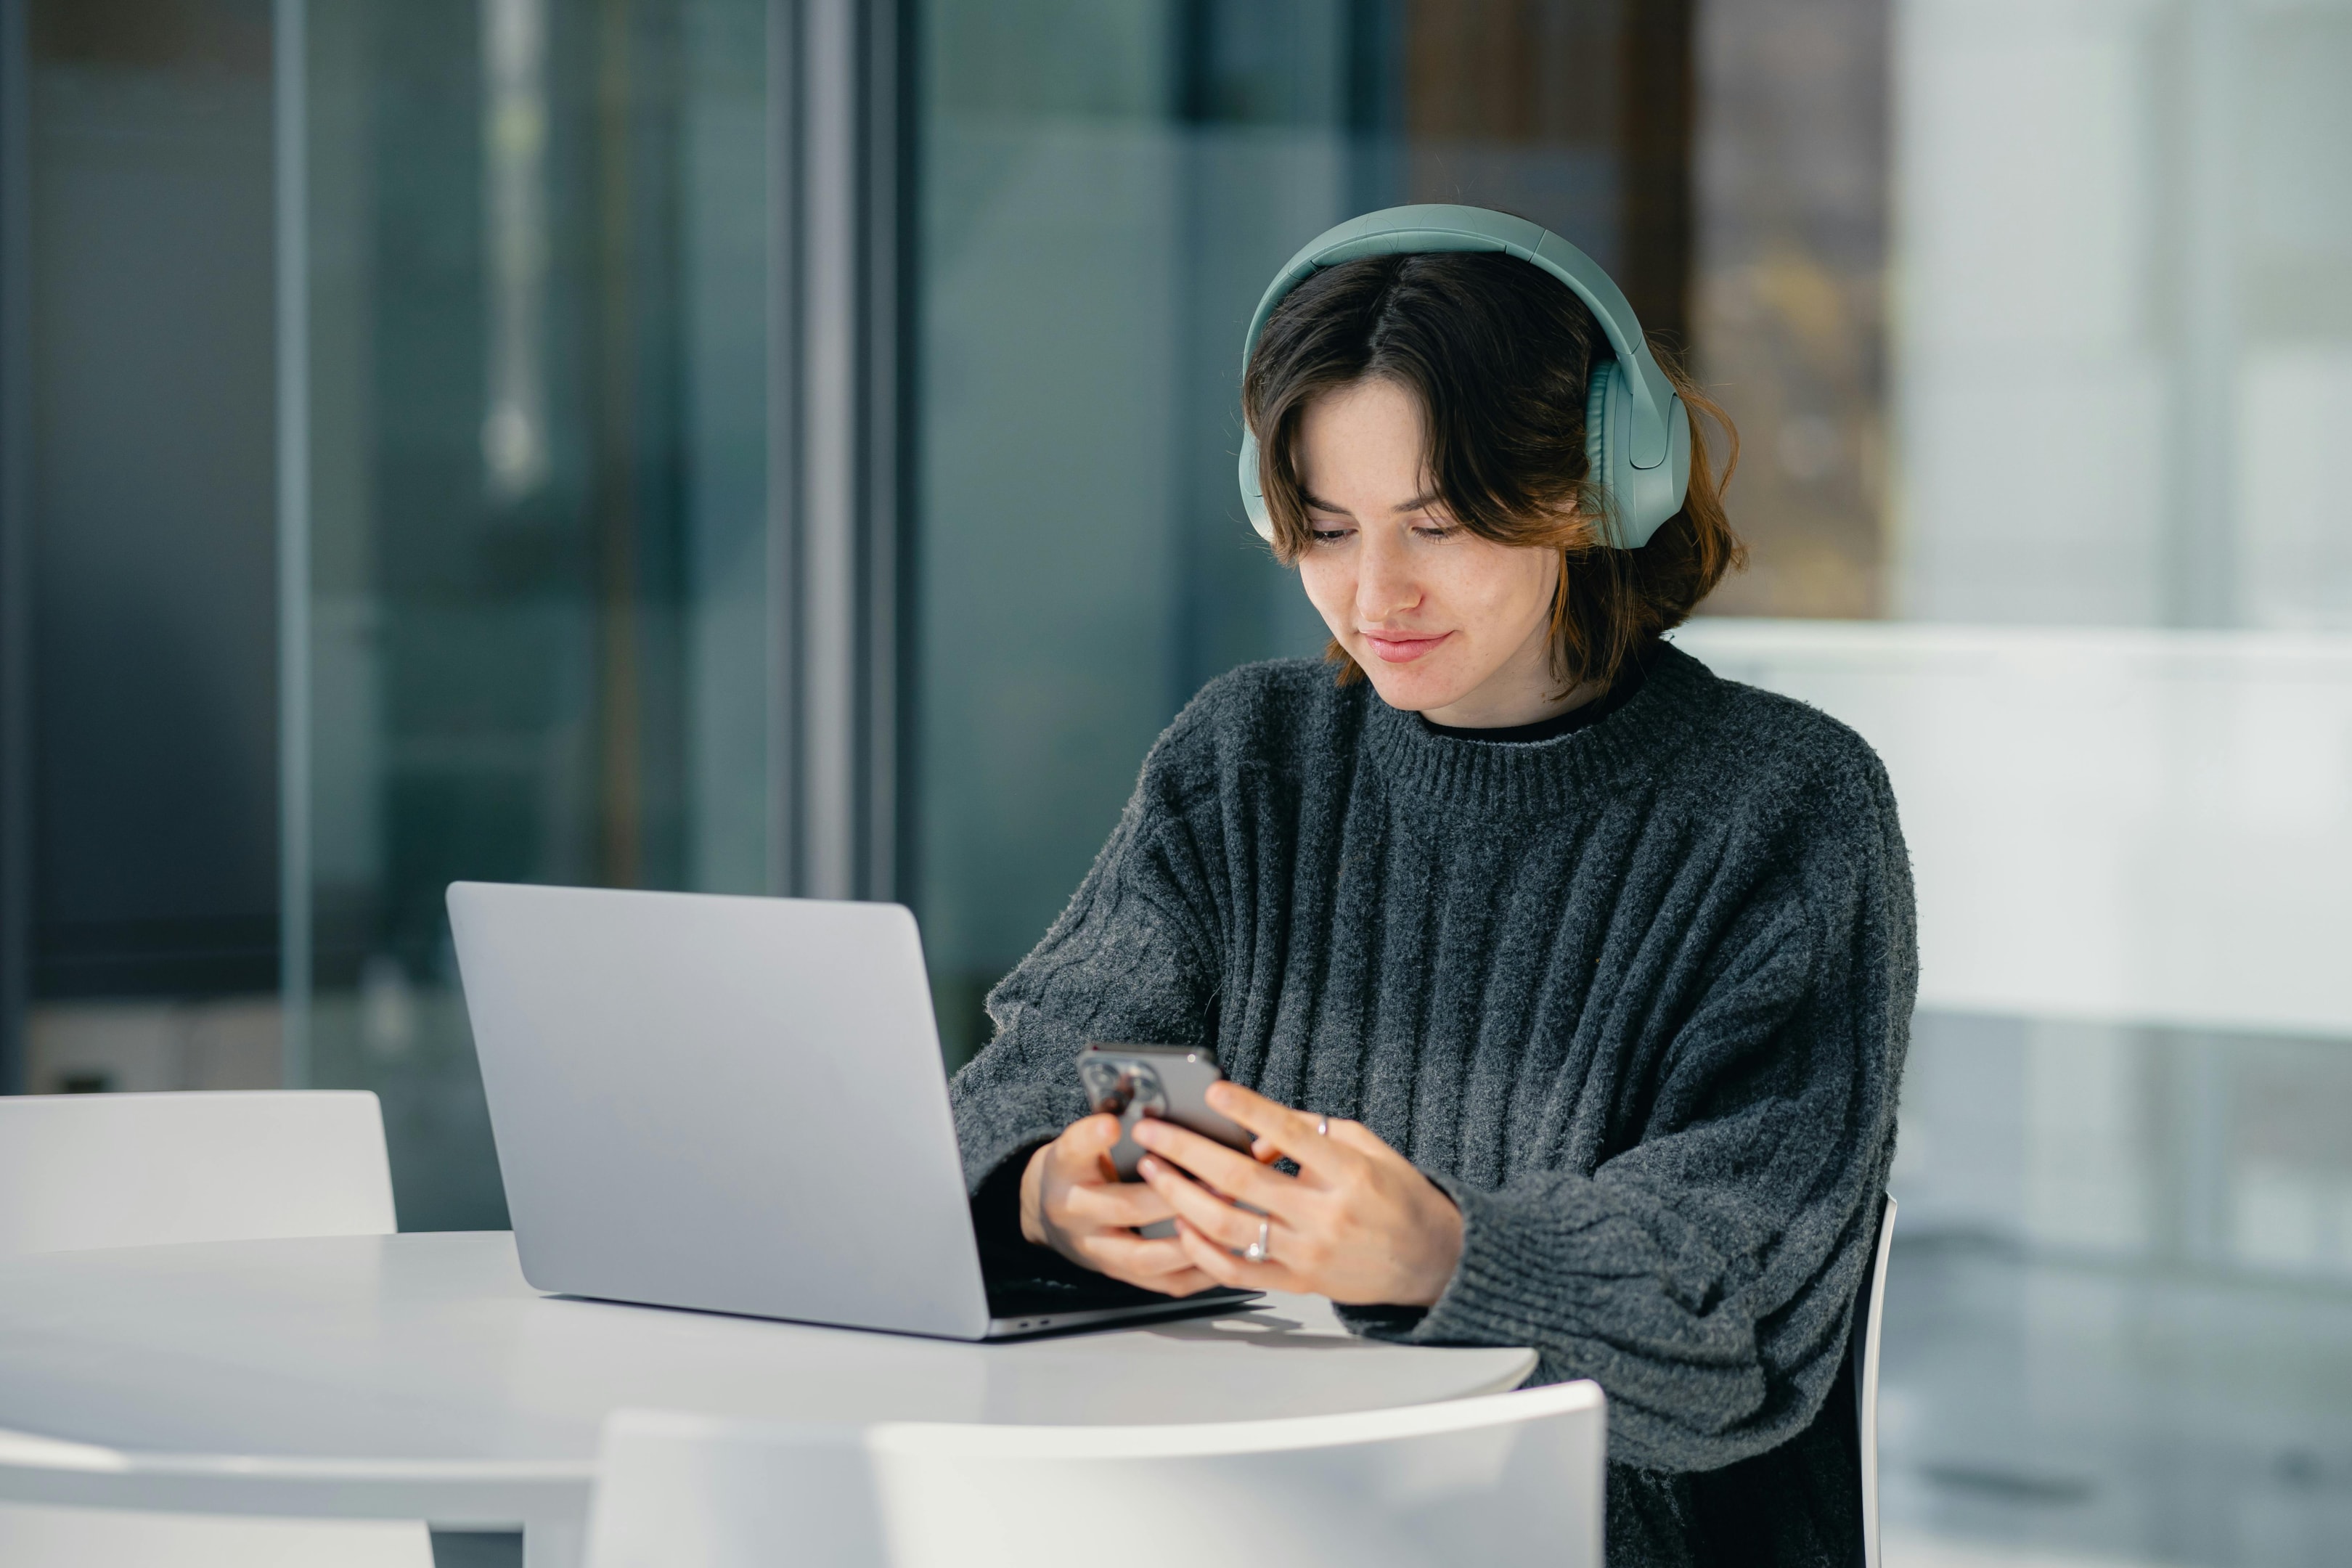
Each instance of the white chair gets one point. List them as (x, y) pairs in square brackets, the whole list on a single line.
[(86, 1171), (1869, 1307), (1509, 1478)]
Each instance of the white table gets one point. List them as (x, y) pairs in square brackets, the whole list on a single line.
[(419, 1377)]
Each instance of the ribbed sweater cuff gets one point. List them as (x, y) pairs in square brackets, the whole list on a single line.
[(1480, 1305)]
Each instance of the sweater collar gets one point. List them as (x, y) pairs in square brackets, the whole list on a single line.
[(1545, 777)]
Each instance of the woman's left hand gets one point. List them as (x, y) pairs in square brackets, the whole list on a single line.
[(1359, 1223)]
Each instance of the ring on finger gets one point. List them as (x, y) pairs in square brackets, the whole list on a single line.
[(1255, 1251), (1322, 1127)]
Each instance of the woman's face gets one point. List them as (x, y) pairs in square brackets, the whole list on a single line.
[(1445, 623)]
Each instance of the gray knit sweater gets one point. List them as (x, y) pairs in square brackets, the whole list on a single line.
[(1637, 998)]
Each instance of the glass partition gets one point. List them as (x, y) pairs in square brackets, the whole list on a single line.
[(138, 643), (539, 571)]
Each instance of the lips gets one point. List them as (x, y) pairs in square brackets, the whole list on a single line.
[(1403, 649)]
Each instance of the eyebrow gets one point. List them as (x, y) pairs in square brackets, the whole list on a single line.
[(1418, 502)]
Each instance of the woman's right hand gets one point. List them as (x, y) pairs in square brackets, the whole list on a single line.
[(1072, 1200)]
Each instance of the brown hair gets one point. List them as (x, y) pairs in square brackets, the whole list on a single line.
[(1498, 354)]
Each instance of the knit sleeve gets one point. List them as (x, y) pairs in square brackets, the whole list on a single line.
[(1704, 1275), (1125, 961)]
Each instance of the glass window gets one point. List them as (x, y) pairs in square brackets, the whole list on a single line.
[(540, 596), (139, 907)]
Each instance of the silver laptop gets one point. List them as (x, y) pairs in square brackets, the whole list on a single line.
[(737, 1105)]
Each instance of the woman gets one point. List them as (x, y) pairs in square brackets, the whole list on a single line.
[(1571, 981)]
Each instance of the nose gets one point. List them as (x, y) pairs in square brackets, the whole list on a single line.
[(1386, 585)]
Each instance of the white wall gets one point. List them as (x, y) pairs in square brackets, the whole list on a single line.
[(2116, 826)]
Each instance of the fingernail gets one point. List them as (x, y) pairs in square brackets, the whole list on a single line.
[(1147, 1166)]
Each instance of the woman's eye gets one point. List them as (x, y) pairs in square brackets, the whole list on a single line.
[(1438, 530), (1329, 535)]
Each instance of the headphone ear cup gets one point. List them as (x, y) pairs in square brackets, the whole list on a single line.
[(1604, 444), (1253, 499), (1639, 500)]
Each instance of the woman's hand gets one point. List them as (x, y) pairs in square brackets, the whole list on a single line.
[(1072, 1200), (1359, 1223)]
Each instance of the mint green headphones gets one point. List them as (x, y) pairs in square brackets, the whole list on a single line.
[(1636, 431)]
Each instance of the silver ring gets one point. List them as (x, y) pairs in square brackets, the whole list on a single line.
[(1255, 1251), (1322, 1127)]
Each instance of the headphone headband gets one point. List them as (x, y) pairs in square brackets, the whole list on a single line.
[(1638, 434)]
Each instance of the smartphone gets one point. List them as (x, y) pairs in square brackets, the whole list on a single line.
[(1172, 1082)]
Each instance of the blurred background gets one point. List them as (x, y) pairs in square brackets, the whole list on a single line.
[(785, 446)]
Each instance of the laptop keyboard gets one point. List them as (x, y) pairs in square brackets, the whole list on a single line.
[(1037, 1295)]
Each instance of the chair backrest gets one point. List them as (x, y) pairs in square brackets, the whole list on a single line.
[(84, 1171), (1508, 1478), (1869, 1308)]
